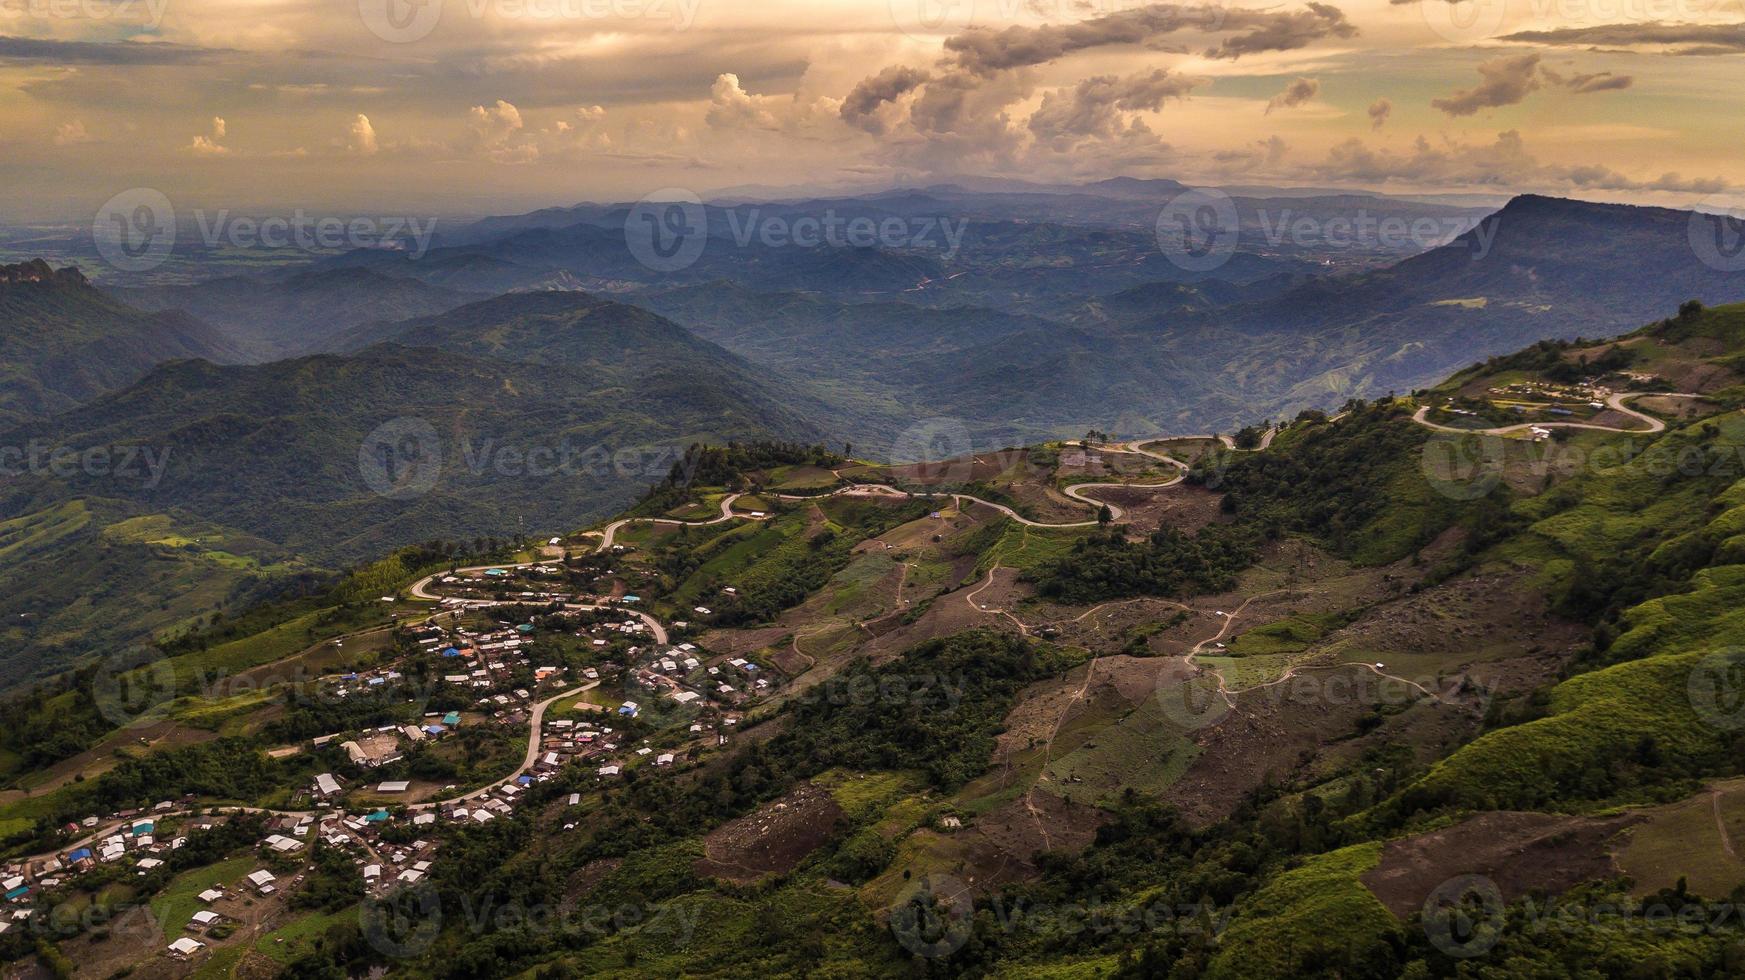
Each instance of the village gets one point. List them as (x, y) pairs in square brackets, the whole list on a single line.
[(1531, 403), (590, 687)]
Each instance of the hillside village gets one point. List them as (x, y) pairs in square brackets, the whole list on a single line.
[(608, 690), (616, 696)]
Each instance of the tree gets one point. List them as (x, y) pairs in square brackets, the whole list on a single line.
[(1104, 515)]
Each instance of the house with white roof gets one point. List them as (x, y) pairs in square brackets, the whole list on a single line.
[(185, 947)]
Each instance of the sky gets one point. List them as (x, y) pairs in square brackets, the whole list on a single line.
[(498, 106)]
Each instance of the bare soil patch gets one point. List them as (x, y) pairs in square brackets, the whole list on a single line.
[(588, 877), (1183, 507), (1489, 616), (739, 642), (1018, 832), (1676, 409), (1046, 704), (1521, 852), (1271, 734), (772, 840)]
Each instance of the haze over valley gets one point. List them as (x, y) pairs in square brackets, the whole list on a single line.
[(655, 488)]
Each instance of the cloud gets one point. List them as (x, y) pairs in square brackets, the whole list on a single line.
[(1506, 162), (1379, 112), (1687, 39), (1609, 179), (1269, 152), (1506, 81), (867, 106), (1275, 31), (983, 51), (590, 114), (209, 146), (72, 133), (1509, 80), (495, 123), (965, 111), (1603, 81), (1102, 107), (361, 136), (1295, 94), (54, 52), (495, 133), (732, 107)]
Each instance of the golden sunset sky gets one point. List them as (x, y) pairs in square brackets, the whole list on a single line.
[(481, 106)]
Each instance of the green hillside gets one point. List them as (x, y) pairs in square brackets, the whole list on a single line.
[(62, 342), (1324, 708)]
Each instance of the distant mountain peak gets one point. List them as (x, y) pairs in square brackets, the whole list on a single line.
[(37, 270), (1137, 184), (1546, 206)]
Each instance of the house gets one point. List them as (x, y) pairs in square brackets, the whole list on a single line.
[(283, 844), (664, 759), (326, 786), (204, 918), (185, 947), (210, 895), (393, 786), (262, 881)]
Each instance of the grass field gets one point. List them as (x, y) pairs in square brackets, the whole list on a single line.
[(1141, 749), (1684, 840), (289, 941), (799, 479), (1299, 915), (178, 902)]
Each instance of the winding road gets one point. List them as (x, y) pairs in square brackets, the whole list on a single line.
[(535, 735), (1614, 402), (727, 514), (421, 589)]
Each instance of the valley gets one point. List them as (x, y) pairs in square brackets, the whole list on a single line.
[(909, 707), (871, 490)]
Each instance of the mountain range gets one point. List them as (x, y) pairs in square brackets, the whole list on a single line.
[(63, 342), (543, 338)]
